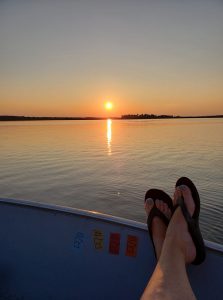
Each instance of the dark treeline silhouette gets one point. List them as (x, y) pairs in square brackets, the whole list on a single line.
[(23, 118), (152, 116), (147, 116)]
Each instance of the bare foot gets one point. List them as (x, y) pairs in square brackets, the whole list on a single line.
[(177, 229), (158, 227)]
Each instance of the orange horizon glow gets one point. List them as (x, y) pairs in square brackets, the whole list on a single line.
[(97, 110), (43, 104)]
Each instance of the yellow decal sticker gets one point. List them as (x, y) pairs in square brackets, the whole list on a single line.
[(98, 238)]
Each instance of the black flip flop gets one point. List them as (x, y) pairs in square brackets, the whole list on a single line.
[(155, 212), (192, 221)]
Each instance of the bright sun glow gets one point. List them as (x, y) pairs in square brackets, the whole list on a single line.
[(108, 105)]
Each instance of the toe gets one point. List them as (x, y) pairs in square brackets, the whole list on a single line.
[(185, 190), (149, 205), (177, 195), (158, 204), (188, 199), (163, 207), (167, 211)]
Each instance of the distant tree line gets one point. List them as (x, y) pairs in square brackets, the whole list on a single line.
[(152, 116), (148, 116), (23, 118)]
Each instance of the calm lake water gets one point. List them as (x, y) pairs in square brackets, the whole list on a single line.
[(107, 166)]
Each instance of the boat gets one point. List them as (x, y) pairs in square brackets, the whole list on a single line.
[(53, 252)]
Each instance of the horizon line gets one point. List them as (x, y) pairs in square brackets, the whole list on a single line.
[(123, 117)]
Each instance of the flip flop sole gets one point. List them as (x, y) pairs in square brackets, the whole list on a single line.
[(155, 212), (193, 221), (195, 195)]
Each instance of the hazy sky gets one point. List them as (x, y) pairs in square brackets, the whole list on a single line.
[(66, 58)]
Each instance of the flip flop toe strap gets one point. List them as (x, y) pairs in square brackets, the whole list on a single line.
[(155, 212)]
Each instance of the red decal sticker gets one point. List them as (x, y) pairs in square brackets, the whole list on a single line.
[(132, 245), (114, 245)]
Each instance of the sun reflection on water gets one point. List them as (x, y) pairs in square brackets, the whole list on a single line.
[(109, 135)]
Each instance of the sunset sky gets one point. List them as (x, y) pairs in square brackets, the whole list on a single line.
[(67, 58)]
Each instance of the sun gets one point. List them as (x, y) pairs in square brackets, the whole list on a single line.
[(108, 105)]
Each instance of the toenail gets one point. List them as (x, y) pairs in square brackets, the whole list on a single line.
[(183, 187), (149, 201)]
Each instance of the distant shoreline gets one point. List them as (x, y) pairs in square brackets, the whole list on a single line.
[(152, 116), (124, 117), (24, 118)]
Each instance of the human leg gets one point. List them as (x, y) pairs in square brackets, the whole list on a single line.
[(170, 280)]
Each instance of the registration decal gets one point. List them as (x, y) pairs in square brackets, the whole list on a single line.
[(78, 240), (114, 243), (98, 238), (132, 245)]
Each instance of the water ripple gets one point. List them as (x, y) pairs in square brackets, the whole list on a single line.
[(70, 164)]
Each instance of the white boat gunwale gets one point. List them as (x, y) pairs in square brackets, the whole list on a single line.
[(95, 215)]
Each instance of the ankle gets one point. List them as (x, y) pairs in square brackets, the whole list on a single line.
[(172, 248), (178, 243)]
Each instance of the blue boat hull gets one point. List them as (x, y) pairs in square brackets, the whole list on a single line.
[(51, 252)]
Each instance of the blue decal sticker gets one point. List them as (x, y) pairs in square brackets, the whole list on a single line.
[(78, 240)]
